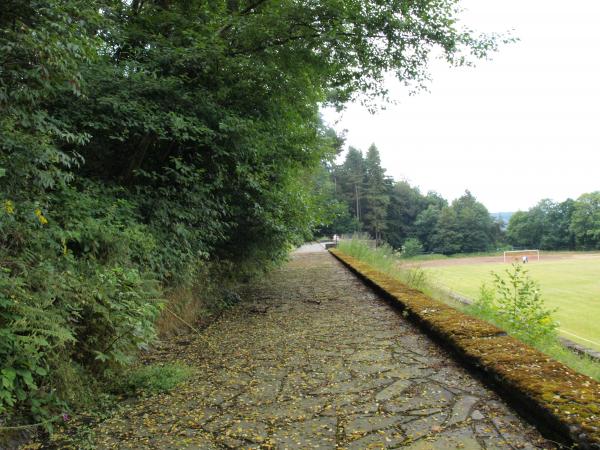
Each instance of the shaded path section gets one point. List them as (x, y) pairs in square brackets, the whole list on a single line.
[(314, 359)]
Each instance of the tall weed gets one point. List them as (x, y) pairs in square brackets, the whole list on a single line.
[(384, 258)]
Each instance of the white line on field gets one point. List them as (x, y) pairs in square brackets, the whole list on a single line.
[(578, 337)]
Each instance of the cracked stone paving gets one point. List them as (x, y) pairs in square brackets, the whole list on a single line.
[(314, 359)]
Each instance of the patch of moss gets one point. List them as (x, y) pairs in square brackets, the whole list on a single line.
[(567, 398)]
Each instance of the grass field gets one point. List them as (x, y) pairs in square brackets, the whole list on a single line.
[(569, 282)]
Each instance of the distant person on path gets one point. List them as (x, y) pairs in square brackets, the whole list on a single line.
[(525, 259)]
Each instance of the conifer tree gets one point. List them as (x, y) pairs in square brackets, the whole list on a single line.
[(377, 196)]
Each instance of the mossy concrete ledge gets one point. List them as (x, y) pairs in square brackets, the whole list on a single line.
[(559, 400)]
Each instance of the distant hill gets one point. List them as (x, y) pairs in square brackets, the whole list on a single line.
[(504, 215)]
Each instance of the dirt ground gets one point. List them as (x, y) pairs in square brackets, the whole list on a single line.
[(313, 359)]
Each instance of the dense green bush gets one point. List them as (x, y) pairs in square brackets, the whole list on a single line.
[(71, 292), (411, 247), (516, 305)]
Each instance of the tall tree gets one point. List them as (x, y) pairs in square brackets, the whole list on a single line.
[(556, 233), (560, 235), (474, 223), (446, 237), (498, 231), (585, 222), (406, 203), (435, 199), (522, 232), (376, 194), (351, 181), (44, 46), (425, 225)]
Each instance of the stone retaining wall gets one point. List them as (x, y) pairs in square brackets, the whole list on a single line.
[(558, 399)]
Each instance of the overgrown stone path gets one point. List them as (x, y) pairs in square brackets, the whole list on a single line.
[(314, 359)]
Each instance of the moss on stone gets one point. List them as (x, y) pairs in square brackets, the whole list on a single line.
[(569, 399)]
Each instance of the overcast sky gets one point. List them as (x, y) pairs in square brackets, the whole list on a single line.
[(516, 129)]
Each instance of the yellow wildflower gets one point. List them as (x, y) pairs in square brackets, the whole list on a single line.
[(40, 216), (9, 207)]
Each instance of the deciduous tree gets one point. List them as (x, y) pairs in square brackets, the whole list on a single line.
[(585, 223)]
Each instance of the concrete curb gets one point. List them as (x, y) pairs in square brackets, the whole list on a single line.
[(580, 349), (562, 403)]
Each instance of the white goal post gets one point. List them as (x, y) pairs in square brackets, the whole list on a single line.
[(520, 253)]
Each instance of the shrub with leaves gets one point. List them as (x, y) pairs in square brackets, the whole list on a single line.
[(411, 247), (31, 334), (72, 295), (516, 304)]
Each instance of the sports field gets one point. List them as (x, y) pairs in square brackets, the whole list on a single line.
[(568, 281)]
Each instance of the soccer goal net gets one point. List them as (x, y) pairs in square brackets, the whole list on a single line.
[(521, 255)]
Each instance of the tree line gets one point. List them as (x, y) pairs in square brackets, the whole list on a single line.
[(363, 198), (568, 225)]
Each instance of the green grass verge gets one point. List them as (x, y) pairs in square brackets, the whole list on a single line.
[(154, 379)]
